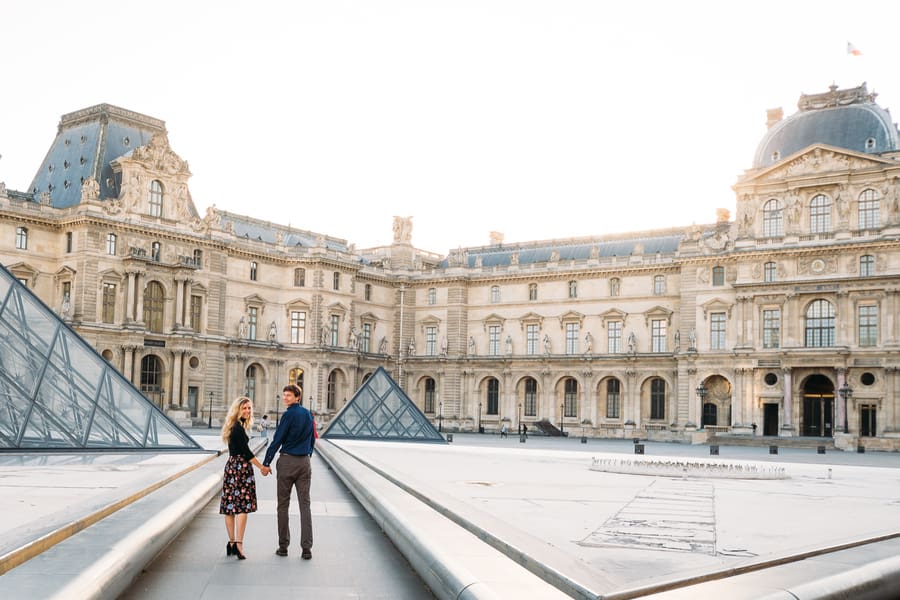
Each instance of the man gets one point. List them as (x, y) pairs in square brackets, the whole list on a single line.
[(295, 437)]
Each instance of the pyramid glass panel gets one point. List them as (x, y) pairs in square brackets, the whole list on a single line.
[(58, 393), (381, 410)]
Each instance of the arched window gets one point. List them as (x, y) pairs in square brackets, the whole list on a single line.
[(770, 272), (820, 324), (250, 382), (866, 265), (530, 397), (614, 287), (155, 251), (718, 276), (659, 285), (151, 378), (332, 390), (613, 398), (21, 238), (573, 289), (495, 294), (299, 277), (820, 214), (198, 257), (111, 244), (658, 398), (773, 222), (432, 296), (154, 298), (493, 396), (710, 414), (156, 198), (337, 280), (429, 395), (367, 292), (532, 291), (570, 399), (869, 209)]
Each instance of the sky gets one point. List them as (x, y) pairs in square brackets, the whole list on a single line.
[(539, 119)]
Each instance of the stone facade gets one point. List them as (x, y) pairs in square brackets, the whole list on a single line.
[(751, 326)]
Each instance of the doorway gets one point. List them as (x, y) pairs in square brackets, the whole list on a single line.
[(867, 422), (770, 418), (818, 407)]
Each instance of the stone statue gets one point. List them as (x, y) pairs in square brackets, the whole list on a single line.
[(547, 343), (402, 229), (90, 189), (471, 345), (444, 346), (632, 343), (509, 348), (242, 328), (588, 343), (65, 310), (273, 332), (677, 340), (326, 334), (692, 339), (411, 351), (383, 346), (352, 338)]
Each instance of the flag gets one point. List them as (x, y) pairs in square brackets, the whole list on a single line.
[(851, 49)]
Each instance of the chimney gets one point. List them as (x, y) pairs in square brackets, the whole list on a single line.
[(773, 115)]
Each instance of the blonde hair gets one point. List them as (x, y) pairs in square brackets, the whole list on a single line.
[(234, 415)]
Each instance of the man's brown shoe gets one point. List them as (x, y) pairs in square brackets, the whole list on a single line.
[(281, 552), (307, 554)]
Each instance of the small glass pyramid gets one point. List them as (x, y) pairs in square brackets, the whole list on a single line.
[(381, 410), (58, 393)]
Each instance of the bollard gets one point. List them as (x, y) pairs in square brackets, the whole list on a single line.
[(638, 448), (821, 449), (861, 449), (636, 440), (583, 440), (449, 437), (773, 449), (521, 438), (714, 450)]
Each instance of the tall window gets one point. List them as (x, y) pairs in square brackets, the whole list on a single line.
[(299, 277), (866, 265), (198, 257), (869, 206), (196, 307), (493, 397), (252, 322), (530, 397), (109, 303), (250, 382), (335, 322), (254, 270), (570, 399), (820, 214), (868, 325), (770, 272), (111, 244), (820, 324), (432, 296), (613, 398), (495, 294), (531, 339), (151, 377), (336, 280), (718, 276), (717, 331), (614, 287), (367, 292), (771, 327), (573, 289), (156, 251), (532, 291), (659, 285), (365, 342), (658, 399), (68, 242), (156, 198), (429, 395), (773, 223), (331, 391), (571, 338), (658, 332), (614, 337), (298, 327), (430, 341), (153, 306), (494, 340), (21, 238)]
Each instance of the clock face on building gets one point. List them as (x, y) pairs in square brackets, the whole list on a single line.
[(817, 265)]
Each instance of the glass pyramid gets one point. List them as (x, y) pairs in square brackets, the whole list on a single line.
[(381, 410), (58, 393)]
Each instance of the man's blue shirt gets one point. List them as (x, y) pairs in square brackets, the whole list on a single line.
[(294, 435)]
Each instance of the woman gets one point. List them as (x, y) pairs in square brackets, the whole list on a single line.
[(239, 485)]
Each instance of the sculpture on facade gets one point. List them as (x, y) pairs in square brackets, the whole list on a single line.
[(66, 308), (692, 339), (402, 229), (632, 343), (411, 350), (273, 332), (588, 343), (326, 334), (509, 347), (444, 346), (383, 346), (471, 345), (90, 189), (242, 328), (547, 343), (352, 338)]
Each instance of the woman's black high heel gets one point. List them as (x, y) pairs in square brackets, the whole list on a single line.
[(237, 551), (229, 548)]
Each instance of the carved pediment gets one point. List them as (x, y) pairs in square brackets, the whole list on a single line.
[(298, 304), (22, 270), (818, 159), (716, 305), (430, 321), (110, 275), (493, 319), (368, 317), (570, 316), (613, 314), (530, 319), (66, 272), (158, 156), (336, 308), (658, 312)]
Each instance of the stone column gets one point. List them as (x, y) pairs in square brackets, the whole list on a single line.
[(177, 361), (633, 397), (179, 302), (845, 319), (693, 402), (787, 426), (129, 297), (840, 408), (891, 398), (128, 361), (889, 331), (138, 290)]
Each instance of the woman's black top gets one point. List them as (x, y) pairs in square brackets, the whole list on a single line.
[(239, 442)]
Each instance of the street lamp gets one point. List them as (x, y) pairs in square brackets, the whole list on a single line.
[(561, 413), (209, 422), (440, 416), (701, 394), (480, 430), (277, 400), (519, 418), (845, 391)]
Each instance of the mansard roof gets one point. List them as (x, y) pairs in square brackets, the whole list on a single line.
[(271, 233)]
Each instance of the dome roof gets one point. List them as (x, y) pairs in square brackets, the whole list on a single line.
[(842, 118)]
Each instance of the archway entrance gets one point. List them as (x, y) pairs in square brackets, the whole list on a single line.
[(818, 407)]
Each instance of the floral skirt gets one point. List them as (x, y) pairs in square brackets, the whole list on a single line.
[(238, 487)]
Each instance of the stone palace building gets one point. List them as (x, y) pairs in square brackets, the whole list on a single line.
[(781, 322)]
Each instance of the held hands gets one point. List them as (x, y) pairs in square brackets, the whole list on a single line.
[(265, 470)]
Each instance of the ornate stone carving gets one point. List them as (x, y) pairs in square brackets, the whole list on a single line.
[(402, 229), (90, 190), (158, 156)]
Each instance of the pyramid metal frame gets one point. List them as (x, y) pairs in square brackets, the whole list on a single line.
[(57, 393), (381, 410)]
